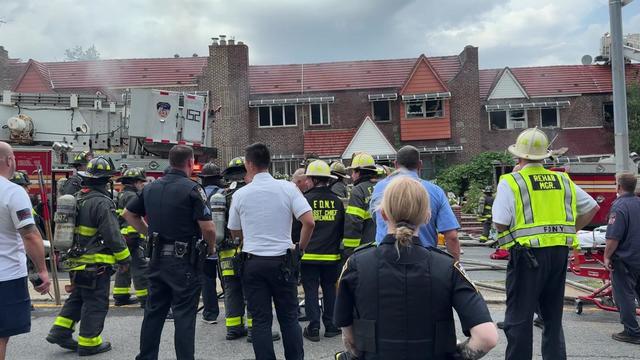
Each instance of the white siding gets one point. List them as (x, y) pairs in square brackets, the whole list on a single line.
[(507, 88), (369, 139)]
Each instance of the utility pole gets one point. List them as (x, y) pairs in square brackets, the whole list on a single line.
[(621, 127)]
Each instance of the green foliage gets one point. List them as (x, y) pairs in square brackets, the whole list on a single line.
[(633, 112), (79, 54), (472, 198), (279, 176)]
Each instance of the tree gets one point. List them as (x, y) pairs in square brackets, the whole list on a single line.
[(79, 54), (633, 112)]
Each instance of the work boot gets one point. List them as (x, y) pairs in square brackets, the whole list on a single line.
[(500, 325), (311, 334), (65, 342), (275, 336), (331, 331), (624, 337), (236, 334), (123, 301), (88, 351)]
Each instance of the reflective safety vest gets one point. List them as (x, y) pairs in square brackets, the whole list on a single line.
[(545, 209)]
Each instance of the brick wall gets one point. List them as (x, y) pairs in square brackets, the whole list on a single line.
[(6, 79)]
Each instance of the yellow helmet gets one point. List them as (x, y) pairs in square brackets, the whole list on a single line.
[(532, 144), (363, 161), (319, 168), (338, 169)]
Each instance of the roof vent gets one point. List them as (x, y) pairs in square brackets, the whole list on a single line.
[(223, 39), (214, 41)]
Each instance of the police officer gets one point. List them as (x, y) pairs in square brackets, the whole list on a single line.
[(537, 213), (395, 300), (485, 204), (211, 180), (359, 228), (97, 247), (321, 260), (74, 182), (133, 180), (339, 186), (175, 207), (622, 255)]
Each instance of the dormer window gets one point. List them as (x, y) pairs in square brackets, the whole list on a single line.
[(425, 109)]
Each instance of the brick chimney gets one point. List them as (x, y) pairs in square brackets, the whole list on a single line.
[(5, 76), (226, 76)]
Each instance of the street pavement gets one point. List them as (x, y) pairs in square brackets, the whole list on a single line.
[(588, 336)]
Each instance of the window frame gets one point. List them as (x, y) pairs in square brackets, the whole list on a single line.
[(284, 121), (424, 109), (321, 115), (509, 121), (373, 114), (604, 113), (557, 125)]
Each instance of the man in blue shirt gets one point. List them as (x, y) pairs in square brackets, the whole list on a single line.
[(442, 220)]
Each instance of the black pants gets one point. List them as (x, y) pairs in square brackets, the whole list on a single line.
[(313, 277), (486, 230), (174, 284), (263, 282), (234, 305), (87, 306), (528, 288), (209, 297), (139, 270), (626, 288)]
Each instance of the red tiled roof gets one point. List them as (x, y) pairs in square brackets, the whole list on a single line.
[(585, 141), (327, 143), (344, 75), (560, 80)]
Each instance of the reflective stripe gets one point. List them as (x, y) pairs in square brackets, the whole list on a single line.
[(249, 322), (569, 241), (128, 230), (508, 236), (568, 196), (86, 230), (78, 268), (234, 321), (121, 290), (351, 243), (119, 212), (143, 292), (121, 255), (227, 253), (64, 322), (526, 198), (95, 259), (356, 211), (321, 257), (488, 207), (228, 272), (89, 342)]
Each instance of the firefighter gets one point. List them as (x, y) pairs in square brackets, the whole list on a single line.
[(229, 251), (133, 180), (484, 212), (98, 247), (74, 183), (359, 228), (339, 186), (321, 261)]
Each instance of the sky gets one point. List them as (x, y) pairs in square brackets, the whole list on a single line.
[(507, 32)]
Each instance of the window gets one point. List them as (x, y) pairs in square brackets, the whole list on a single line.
[(277, 116), (425, 109), (550, 117), (381, 110), (607, 112), (319, 114), (512, 119)]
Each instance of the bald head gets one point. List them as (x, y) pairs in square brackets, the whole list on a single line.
[(299, 178), (7, 160), (408, 157)]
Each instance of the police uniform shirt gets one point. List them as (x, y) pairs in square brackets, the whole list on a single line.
[(624, 227), (159, 217), (15, 213), (447, 277), (262, 209), (504, 204)]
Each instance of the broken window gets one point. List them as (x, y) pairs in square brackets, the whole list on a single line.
[(425, 109), (607, 111), (549, 117), (381, 110)]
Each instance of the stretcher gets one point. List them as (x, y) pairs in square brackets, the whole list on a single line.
[(589, 262)]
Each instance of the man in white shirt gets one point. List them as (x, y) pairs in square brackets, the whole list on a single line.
[(260, 215), (18, 233)]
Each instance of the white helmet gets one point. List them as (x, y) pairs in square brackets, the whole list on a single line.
[(532, 144)]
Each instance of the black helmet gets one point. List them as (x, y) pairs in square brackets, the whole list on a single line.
[(235, 165), (81, 158), (134, 174), (98, 168), (488, 190), (20, 178), (210, 170)]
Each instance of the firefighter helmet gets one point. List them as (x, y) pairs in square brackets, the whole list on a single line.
[(338, 169), (209, 170), (81, 158), (235, 165), (319, 168), (363, 161), (99, 167), (134, 174), (532, 144), (20, 178)]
